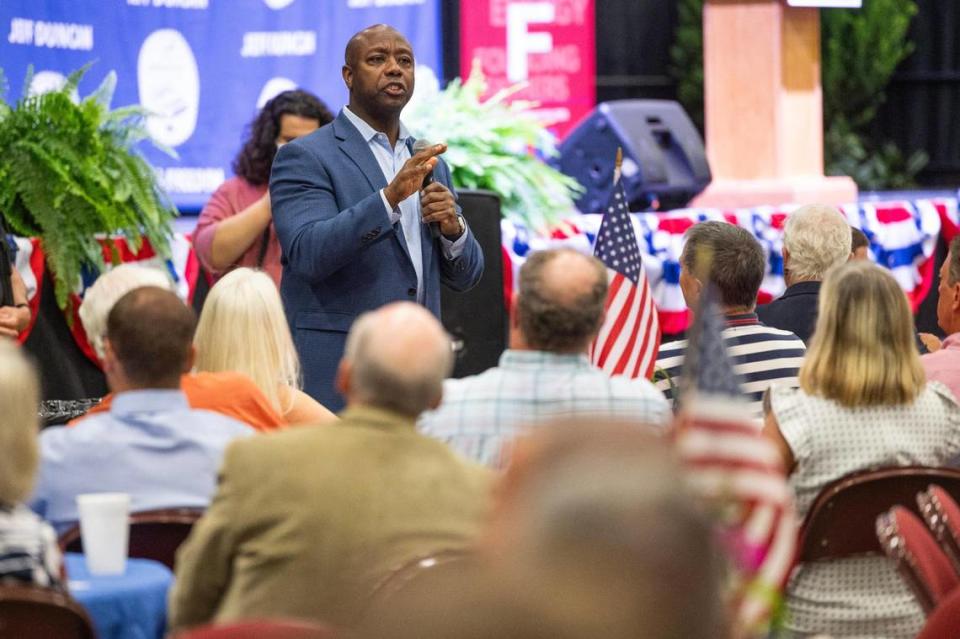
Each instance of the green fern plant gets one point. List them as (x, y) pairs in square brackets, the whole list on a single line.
[(861, 51), (70, 171), (494, 145)]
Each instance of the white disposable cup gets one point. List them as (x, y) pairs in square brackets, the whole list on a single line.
[(105, 531)]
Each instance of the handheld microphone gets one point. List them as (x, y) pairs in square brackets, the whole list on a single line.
[(418, 146)]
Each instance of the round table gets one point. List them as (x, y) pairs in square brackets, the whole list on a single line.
[(128, 606)]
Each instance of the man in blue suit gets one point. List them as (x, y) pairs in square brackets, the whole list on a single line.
[(353, 218)]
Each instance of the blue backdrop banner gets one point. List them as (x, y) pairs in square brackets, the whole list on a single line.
[(202, 67)]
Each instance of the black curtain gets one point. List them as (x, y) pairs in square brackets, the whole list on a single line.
[(633, 49), (923, 100)]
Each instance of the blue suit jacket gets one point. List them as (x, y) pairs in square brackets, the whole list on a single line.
[(341, 254)]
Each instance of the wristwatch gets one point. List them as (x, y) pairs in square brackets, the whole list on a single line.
[(463, 229)]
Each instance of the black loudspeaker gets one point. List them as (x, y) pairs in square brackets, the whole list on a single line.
[(477, 319), (664, 164)]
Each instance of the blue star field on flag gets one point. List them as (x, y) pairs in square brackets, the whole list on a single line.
[(616, 243)]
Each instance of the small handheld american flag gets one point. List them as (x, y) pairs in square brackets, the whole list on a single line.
[(630, 336), (737, 470)]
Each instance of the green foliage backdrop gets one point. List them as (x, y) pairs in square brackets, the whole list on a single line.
[(70, 170), (861, 51), (861, 48), (686, 55), (495, 145)]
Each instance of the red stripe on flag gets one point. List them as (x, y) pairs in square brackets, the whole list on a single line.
[(617, 327), (653, 330), (628, 349)]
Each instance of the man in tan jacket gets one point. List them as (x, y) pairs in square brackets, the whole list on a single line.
[(306, 522)]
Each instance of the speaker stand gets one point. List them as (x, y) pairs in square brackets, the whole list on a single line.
[(764, 106)]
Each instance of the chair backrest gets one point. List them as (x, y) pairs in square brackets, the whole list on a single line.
[(944, 621), (154, 534), (841, 522), (29, 612), (906, 540), (411, 570), (264, 629), (942, 515)]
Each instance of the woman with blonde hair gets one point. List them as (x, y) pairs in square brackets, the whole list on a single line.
[(28, 545), (242, 328), (863, 402)]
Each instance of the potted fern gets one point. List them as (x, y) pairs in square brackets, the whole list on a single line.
[(71, 170)]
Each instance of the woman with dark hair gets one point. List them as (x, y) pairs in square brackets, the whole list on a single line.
[(236, 226)]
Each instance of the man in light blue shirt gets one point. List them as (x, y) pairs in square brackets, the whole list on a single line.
[(150, 444), (545, 374)]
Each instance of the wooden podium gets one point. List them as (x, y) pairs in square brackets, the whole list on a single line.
[(764, 106)]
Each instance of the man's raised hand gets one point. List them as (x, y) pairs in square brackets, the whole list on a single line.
[(409, 179)]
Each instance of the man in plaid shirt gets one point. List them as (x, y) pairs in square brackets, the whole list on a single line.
[(545, 374)]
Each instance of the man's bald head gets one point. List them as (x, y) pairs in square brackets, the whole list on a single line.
[(560, 300), (355, 44), (397, 358)]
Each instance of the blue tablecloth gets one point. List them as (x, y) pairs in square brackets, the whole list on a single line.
[(128, 606)]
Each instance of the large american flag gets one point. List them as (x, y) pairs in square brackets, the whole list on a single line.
[(630, 336), (738, 472)]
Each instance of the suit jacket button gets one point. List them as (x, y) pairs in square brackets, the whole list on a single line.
[(411, 292)]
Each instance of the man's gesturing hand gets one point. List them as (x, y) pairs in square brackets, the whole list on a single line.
[(409, 179)]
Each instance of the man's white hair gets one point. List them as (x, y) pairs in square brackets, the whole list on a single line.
[(110, 287), (817, 237)]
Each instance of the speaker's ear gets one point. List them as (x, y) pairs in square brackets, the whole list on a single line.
[(478, 318)]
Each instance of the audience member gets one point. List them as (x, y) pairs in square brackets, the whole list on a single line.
[(242, 328), (942, 363), (230, 393), (863, 402), (14, 307), (15, 316), (815, 239), (235, 228), (730, 257), (28, 545), (595, 515), (557, 311), (306, 522), (150, 444), (859, 245)]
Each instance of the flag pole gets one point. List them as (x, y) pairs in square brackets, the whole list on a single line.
[(617, 165)]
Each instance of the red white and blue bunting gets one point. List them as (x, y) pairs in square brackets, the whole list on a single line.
[(903, 237)]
